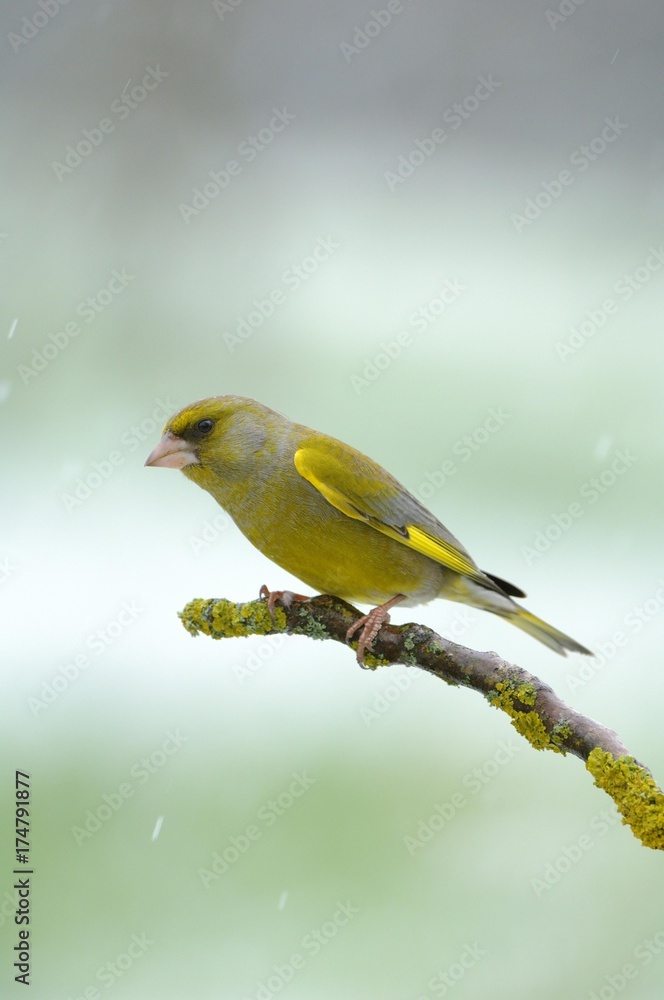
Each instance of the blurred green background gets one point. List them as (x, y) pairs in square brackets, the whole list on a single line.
[(248, 805)]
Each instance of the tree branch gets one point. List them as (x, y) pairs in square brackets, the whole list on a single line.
[(535, 710)]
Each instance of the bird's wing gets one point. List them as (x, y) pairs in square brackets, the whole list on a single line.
[(363, 490)]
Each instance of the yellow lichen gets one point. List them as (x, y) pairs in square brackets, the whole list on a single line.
[(635, 793), (371, 661), (508, 696), (191, 616), (223, 619), (561, 731)]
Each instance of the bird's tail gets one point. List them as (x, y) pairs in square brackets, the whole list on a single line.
[(541, 630), (495, 597)]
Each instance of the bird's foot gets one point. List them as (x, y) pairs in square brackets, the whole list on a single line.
[(371, 625), (285, 597)]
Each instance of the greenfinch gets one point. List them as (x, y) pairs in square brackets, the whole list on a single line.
[(332, 517)]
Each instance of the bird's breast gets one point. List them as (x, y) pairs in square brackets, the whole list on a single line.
[(294, 525)]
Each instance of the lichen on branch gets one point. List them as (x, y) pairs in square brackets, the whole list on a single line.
[(536, 712)]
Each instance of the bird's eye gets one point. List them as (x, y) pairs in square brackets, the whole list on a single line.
[(204, 426)]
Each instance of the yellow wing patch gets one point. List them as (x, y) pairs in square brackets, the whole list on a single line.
[(422, 541), (441, 551), (331, 494)]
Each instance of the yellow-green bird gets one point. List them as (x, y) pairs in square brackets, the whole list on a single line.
[(331, 516)]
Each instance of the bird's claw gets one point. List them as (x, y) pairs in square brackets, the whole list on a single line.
[(285, 597), (371, 625)]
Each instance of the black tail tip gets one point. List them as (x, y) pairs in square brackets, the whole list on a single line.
[(507, 588)]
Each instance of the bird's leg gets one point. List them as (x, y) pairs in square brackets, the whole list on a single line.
[(371, 625), (285, 597)]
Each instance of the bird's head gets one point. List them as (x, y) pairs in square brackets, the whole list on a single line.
[(216, 435)]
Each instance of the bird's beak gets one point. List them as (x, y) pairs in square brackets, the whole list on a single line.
[(172, 453)]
